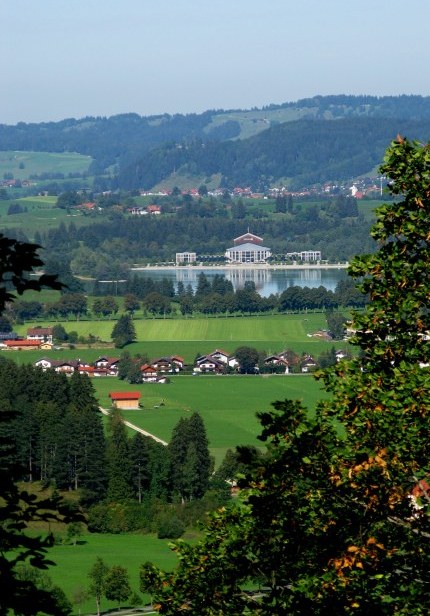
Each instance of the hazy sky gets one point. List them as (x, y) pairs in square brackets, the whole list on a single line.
[(73, 58)]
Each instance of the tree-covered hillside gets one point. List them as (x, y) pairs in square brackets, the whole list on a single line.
[(296, 153), (252, 147)]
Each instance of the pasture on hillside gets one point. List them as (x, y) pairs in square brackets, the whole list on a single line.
[(22, 164), (41, 214)]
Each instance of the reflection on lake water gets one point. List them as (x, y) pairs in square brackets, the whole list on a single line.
[(267, 281)]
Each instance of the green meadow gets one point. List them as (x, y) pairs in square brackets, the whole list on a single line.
[(24, 164), (227, 404), (130, 551), (41, 214)]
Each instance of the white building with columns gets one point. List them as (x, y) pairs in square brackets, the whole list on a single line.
[(248, 248)]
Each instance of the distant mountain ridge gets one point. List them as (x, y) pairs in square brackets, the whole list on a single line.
[(295, 154), (311, 140)]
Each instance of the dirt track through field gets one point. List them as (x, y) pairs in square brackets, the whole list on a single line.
[(136, 428)]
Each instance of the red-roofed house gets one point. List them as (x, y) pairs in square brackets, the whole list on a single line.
[(149, 373), (125, 399)]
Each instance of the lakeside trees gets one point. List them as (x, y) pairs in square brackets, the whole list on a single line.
[(336, 521)]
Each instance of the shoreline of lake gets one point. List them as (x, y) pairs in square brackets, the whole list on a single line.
[(237, 266)]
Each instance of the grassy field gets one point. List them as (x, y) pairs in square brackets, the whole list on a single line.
[(130, 551), (41, 215), (227, 404), (367, 208), (189, 337), (24, 164)]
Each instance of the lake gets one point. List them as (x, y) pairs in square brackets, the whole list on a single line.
[(267, 281)]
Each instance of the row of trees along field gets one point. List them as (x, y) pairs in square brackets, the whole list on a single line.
[(154, 298), (336, 521)]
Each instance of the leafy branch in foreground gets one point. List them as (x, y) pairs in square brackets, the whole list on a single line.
[(336, 516), (22, 594), (17, 261)]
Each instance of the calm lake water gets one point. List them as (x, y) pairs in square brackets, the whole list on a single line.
[(267, 281)]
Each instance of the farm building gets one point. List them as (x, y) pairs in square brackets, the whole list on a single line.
[(21, 345), (125, 399)]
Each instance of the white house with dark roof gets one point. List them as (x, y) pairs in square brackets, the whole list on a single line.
[(44, 334), (224, 358)]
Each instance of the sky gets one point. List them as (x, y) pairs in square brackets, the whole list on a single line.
[(75, 58)]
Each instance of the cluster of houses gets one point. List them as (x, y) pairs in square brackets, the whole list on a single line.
[(158, 370), (37, 338)]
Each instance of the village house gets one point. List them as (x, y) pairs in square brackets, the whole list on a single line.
[(276, 361), (109, 364), (207, 365), (67, 367), (341, 355), (308, 364), (126, 400), (44, 363), (171, 364), (44, 334), (225, 358), (149, 373), (137, 211)]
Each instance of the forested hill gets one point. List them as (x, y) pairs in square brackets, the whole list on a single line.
[(295, 153), (252, 147)]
